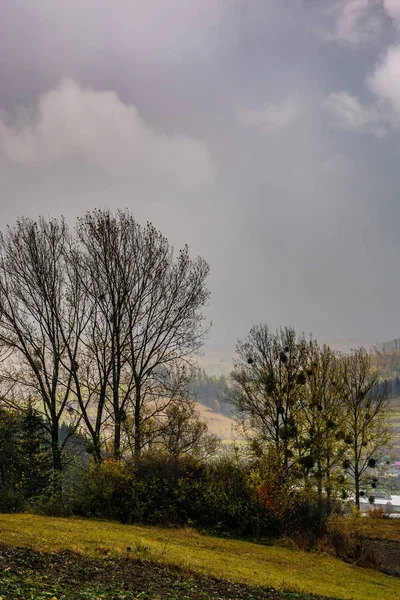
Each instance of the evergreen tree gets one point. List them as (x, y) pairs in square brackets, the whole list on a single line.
[(34, 448)]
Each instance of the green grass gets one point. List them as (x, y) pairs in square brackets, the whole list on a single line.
[(27, 574), (231, 560), (395, 421), (369, 527)]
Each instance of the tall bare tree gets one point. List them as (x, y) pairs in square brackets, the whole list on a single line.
[(100, 325), (41, 318), (146, 320), (104, 264)]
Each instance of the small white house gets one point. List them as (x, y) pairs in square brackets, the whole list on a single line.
[(391, 502)]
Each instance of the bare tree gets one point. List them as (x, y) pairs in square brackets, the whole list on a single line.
[(41, 318), (186, 433), (367, 428), (104, 264), (146, 320), (99, 324), (178, 430)]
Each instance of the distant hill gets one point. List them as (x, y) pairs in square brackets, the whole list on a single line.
[(386, 357), (211, 390), (387, 347), (210, 393)]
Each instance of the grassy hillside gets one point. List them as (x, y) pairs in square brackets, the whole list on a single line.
[(28, 574), (224, 427), (234, 561), (221, 425)]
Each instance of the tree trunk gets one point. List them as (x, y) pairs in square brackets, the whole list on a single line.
[(57, 460), (117, 437), (319, 481), (328, 487), (138, 424), (357, 487), (97, 452)]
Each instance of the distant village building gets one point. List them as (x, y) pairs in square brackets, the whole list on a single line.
[(390, 502)]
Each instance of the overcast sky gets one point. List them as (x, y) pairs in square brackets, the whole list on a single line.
[(264, 134)]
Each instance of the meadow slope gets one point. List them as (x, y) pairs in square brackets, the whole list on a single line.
[(230, 560)]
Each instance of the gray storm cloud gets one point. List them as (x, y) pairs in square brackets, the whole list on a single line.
[(263, 134), (95, 126)]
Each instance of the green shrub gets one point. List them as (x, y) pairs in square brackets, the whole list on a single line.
[(103, 490), (230, 504), (226, 496), (11, 500)]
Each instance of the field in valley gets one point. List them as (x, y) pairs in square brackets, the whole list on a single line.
[(395, 418), (225, 428), (221, 425)]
